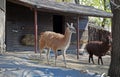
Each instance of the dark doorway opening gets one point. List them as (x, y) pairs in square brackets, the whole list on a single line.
[(58, 24)]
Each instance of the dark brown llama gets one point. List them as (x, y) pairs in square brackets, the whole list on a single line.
[(98, 48)]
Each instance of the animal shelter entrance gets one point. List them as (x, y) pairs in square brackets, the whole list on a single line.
[(58, 24)]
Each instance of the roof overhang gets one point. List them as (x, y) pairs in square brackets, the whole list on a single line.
[(65, 8)]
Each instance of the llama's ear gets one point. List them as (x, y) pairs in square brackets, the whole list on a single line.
[(71, 24), (68, 24)]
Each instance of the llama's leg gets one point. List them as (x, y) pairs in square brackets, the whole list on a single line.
[(41, 54), (1, 49), (41, 47), (91, 58), (55, 57), (64, 54), (101, 60), (48, 52)]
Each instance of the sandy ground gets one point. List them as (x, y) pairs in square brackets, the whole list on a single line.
[(72, 62), (81, 64)]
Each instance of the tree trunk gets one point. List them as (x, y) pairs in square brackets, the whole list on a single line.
[(114, 70), (77, 2)]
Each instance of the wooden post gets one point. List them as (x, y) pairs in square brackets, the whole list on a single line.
[(78, 38), (36, 30)]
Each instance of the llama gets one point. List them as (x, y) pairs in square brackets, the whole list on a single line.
[(56, 41), (98, 48)]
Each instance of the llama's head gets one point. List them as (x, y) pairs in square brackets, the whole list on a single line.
[(71, 28), (108, 40)]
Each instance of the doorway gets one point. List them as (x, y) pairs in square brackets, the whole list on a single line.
[(58, 24)]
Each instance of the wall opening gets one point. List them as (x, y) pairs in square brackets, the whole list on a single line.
[(58, 24)]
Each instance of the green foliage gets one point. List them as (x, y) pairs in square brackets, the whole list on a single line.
[(96, 3), (100, 4)]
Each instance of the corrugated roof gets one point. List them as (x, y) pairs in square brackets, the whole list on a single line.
[(62, 7)]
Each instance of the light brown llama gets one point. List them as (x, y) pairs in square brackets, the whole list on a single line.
[(56, 41)]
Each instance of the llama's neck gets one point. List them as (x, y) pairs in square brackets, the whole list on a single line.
[(106, 46), (67, 37)]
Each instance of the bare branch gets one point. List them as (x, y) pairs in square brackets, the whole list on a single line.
[(115, 5)]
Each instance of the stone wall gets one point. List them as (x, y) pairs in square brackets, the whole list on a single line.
[(2, 30)]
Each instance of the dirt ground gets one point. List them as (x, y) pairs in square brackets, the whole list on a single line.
[(72, 62), (81, 64)]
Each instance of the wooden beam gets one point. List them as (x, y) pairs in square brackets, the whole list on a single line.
[(36, 30), (21, 3), (78, 37)]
